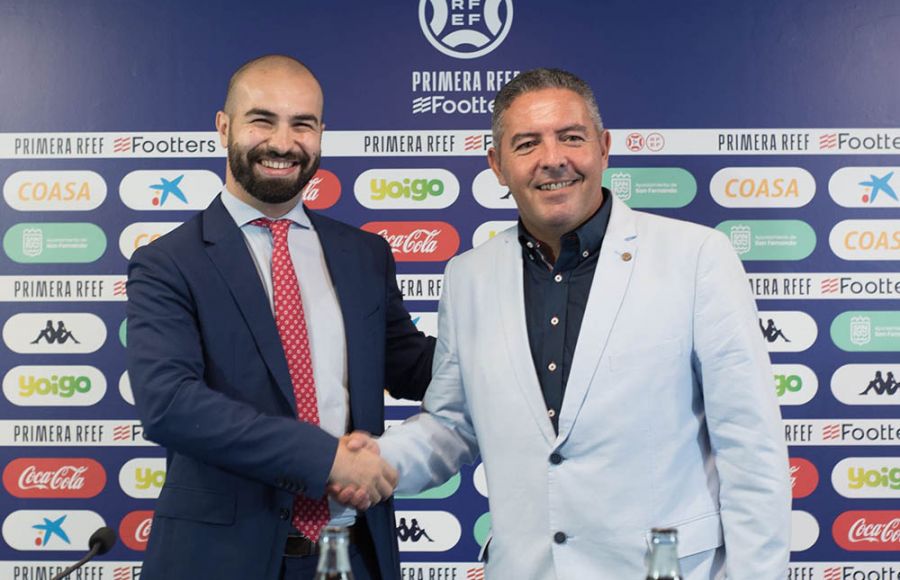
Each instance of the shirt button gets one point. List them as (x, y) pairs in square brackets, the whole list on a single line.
[(551, 367), (556, 458), (585, 254), (284, 513), (530, 245), (560, 537), (554, 321), (551, 413), (558, 277)]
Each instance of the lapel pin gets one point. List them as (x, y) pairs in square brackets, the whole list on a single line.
[(626, 257)]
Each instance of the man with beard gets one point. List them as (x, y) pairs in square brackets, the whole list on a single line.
[(259, 334)]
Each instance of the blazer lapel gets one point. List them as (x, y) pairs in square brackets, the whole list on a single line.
[(611, 278), (228, 251), (511, 305)]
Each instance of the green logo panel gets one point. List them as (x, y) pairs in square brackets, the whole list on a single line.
[(867, 331), (482, 528), (770, 239), (652, 187), (54, 243), (440, 492)]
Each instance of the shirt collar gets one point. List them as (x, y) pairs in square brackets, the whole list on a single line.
[(243, 213), (586, 238)]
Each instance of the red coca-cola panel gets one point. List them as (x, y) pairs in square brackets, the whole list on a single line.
[(418, 241), (868, 531), (322, 191), (54, 477), (804, 477), (134, 530)]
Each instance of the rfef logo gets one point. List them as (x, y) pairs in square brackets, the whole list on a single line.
[(406, 188), (54, 332), (417, 241), (54, 190), (134, 530), (143, 477), (188, 189), (465, 28), (54, 478), (867, 477), (50, 530), (322, 191), (804, 477), (866, 239), (762, 187), (60, 386), (868, 530)]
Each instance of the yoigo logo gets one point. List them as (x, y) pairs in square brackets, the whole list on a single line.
[(406, 188), (795, 384), (71, 386), (867, 477), (143, 477), (465, 28)]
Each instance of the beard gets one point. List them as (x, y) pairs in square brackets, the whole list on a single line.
[(272, 190)]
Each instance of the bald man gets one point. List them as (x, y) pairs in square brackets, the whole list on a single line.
[(259, 334)]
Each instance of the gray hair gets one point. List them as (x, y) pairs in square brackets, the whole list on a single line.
[(535, 80)]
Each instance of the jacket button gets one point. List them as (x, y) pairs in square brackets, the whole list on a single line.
[(560, 537), (556, 458), (284, 513)]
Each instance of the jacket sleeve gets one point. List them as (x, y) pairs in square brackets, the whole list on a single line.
[(743, 417), (180, 411)]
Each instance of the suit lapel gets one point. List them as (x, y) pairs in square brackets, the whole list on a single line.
[(611, 278), (227, 249), (511, 305)]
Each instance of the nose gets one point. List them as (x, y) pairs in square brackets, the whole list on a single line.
[(553, 156), (281, 140)]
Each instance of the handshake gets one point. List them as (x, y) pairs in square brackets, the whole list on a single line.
[(359, 476)]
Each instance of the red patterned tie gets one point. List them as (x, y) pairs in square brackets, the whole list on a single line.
[(310, 515)]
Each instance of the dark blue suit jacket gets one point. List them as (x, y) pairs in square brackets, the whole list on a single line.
[(211, 385)]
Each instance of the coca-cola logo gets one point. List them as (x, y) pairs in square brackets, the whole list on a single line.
[(322, 191), (868, 531), (135, 529), (804, 477), (44, 477), (418, 241)]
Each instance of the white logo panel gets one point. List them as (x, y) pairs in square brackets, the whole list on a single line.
[(143, 477), (866, 239), (488, 192), (488, 230), (867, 477), (865, 186), (54, 333), (54, 386), (54, 190), (867, 384), (762, 187), (50, 530), (190, 189), (787, 330), (406, 188), (795, 384), (142, 233), (804, 531), (427, 531)]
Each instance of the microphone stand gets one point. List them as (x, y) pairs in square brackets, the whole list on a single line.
[(93, 552)]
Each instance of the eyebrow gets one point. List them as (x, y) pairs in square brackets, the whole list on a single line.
[(257, 112), (574, 127)]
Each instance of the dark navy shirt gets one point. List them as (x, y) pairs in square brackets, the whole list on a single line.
[(555, 299)]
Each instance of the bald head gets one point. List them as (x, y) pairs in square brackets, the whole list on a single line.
[(258, 69)]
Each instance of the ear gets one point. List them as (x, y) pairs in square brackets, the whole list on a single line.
[(222, 123), (494, 161), (605, 142)]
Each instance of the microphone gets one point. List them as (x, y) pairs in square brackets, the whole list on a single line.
[(100, 543)]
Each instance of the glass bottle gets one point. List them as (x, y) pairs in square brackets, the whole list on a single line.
[(334, 555), (663, 564)]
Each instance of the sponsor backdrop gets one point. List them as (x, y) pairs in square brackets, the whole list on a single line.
[(775, 122)]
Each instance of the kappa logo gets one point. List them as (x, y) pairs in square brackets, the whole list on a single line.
[(427, 531), (866, 384), (60, 332), (465, 28)]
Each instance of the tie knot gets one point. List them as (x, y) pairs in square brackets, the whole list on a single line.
[(279, 228)]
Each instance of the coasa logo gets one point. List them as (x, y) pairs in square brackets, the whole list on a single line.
[(427, 531), (868, 530), (142, 233), (489, 193), (50, 530), (795, 384), (787, 330), (75, 386), (864, 187), (762, 187), (866, 239), (54, 190), (867, 477), (804, 531), (169, 190), (866, 384), (651, 187), (143, 477), (804, 477), (465, 28), (54, 332), (770, 239), (134, 529), (418, 241), (54, 478), (406, 188), (54, 243), (322, 191), (488, 230)]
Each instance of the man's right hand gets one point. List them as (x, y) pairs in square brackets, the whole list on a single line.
[(359, 476)]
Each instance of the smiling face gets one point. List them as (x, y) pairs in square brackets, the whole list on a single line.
[(272, 127), (551, 155)]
